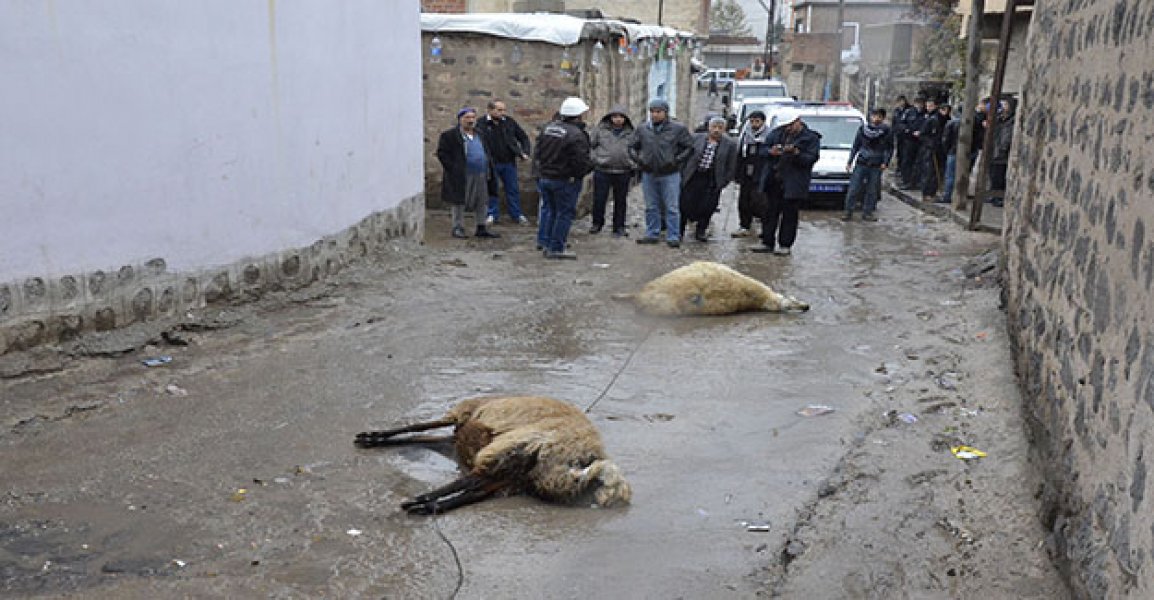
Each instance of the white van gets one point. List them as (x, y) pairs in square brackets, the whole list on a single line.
[(754, 88), (838, 125), (758, 88), (724, 77)]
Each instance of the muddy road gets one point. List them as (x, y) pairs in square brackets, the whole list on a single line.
[(230, 471)]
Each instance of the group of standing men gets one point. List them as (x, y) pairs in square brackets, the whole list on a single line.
[(926, 135), (774, 170), (682, 174)]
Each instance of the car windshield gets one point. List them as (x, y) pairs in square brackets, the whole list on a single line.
[(765, 107), (836, 132), (769, 90)]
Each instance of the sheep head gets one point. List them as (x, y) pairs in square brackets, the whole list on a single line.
[(784, 303), (608, 484)]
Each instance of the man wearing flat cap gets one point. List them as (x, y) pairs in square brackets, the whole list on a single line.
[(464, 153), (660, 149)]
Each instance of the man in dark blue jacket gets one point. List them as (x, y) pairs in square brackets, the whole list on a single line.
[(793, 149), (872, 148), (509, 144)]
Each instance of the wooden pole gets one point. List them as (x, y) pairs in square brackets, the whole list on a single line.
[(835, 85), (992, 115), (962, 165)]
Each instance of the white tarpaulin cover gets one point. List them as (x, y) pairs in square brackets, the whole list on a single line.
[(562, 30)]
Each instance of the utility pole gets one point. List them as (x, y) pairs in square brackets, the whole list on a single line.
[(770, 34), (992, 114), (963, 166), (660, 11), (835, 85)]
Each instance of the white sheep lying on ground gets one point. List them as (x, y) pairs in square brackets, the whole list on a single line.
[(515, 444), (707, 288)]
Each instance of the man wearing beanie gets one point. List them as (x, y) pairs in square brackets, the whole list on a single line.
[(464, 154), (660, 149), (563, 160)]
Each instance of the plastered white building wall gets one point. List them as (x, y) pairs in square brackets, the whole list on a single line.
[(199, 132)]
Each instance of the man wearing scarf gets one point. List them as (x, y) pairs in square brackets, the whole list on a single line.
[(872, 148), (751, 163)]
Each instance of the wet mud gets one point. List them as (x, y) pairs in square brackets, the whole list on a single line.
[(231, 469)]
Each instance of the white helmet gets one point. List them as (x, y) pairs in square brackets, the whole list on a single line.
[(573, 107)]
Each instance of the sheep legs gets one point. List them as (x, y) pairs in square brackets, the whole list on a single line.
[(370, 439), (465, 490)]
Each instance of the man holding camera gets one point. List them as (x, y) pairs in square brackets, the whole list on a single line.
[(793, 149)]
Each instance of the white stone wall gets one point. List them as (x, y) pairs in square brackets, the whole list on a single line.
[(200, 133), (160, 155)]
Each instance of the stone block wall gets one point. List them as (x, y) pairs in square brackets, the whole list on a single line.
[(1080, 281), (39, 310), (444, 6)]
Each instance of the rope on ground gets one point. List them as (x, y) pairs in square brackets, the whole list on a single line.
[(456, 557), (624, 365)]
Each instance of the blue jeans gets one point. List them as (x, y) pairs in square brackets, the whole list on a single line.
[(951, 177), (558, 206), (662, 198), (865, 184), (506, 174)]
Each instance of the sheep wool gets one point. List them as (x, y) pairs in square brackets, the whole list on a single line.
[(517, 444), (708, 288)]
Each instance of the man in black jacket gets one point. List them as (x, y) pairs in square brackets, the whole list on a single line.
[(509, 144), (464, 153), (660, 149), (793, 148), (930, 142), (563, 160), (872, 149)]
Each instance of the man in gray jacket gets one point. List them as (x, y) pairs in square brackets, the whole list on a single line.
[(660, 148), (613, 169)]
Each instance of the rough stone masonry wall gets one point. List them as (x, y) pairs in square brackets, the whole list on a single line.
[(1079, 283), (40, 310)]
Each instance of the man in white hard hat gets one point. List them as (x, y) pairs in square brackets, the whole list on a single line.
[(563, 160)]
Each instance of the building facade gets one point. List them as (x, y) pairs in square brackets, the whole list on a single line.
[(687, 15)]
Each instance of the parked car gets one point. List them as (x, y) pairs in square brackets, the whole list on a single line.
[(838, 124), (724, 78), (751, 104), (754, 88), (758, 88)]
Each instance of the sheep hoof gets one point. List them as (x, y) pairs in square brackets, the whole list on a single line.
[(419, 508)]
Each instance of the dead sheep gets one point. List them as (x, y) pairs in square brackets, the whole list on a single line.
[(515, 444), (708, 288)]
